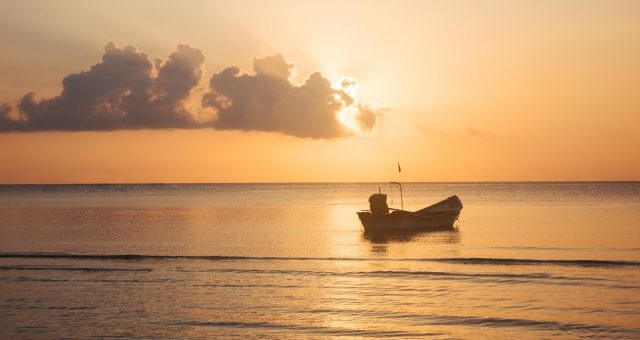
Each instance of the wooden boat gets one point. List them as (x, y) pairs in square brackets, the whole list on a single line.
[(439, 216)]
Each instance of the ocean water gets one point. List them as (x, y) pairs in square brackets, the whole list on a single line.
[(526, 261)]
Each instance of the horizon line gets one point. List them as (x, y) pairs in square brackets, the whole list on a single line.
[(326, 182)]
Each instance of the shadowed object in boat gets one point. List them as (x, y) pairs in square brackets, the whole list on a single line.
[(380, 217)]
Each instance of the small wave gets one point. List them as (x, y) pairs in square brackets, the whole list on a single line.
[(447, 320), (539, 278), (320, 330), (84, 269), (528, 323), (471, 320), (385, 273), (455, 260), (504, 261)]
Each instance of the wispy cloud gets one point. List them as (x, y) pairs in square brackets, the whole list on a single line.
[(470, 132)]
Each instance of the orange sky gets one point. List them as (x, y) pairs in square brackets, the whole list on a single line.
[(466, 90)]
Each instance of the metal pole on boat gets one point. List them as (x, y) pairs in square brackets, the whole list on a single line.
[(399, 187)]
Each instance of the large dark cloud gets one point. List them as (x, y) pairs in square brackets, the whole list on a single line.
[(268, 101), (127, 91), (120, 92)]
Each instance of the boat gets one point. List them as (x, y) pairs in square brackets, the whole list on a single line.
[(381, 218)]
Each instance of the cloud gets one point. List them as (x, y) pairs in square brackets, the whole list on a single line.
[(367, 117), (469, 132), (126, 90), (268, 101), (120, 92), (6, 122)]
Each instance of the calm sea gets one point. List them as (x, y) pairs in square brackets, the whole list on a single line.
[(527, 260)]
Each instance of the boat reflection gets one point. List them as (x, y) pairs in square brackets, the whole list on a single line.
[(379, 240)]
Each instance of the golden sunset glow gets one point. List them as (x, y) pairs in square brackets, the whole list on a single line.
[(457, 91), (349, 113), (320, 169)]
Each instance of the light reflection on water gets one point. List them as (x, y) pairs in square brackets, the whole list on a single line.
[(292, 260)]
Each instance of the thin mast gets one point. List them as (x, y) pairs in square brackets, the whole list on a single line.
[(400, 185)]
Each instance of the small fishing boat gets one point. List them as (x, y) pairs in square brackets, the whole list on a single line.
[(380, 217)]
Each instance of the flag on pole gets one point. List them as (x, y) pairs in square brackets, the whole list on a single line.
[(399, 169)]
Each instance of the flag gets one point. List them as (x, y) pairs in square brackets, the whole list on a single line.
[(399, 169)]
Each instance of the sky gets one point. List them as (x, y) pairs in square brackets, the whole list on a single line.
[(318, 91)]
